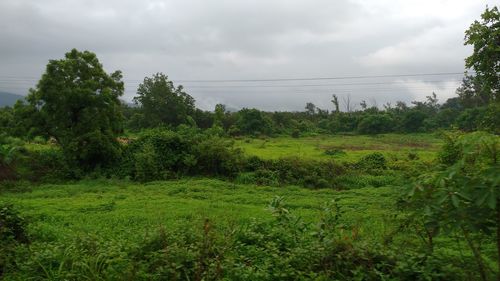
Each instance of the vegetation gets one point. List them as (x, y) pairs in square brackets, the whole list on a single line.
[(78, 105), (91, 188), (215, 229), (161, 104)]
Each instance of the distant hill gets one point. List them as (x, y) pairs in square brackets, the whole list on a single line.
[(9, 99)]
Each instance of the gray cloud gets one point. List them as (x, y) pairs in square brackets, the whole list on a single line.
[(198, 39)]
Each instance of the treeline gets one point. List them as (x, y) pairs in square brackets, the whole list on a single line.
[(160, 104), (419, 116)]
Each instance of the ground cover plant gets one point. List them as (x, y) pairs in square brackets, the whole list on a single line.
[(343, 147), (210, 229)]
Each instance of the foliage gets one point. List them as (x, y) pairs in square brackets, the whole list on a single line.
[(157, 154), (161, 103), (253, 122), (78, 103), (12, 232), (374, 160), (375, 124), (302, 234), (12, 224), (163, 154), (293, 170), (464, 196), (413, 121), (484, 36), (218, 156)]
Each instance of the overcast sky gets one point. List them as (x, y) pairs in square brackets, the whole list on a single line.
[(257, 39)]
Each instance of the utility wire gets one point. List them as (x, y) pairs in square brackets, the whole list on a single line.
[(28, 78), (23, 83)]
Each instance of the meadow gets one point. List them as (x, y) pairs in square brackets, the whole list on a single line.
[(204, 228), (343, 147), (127, 210)]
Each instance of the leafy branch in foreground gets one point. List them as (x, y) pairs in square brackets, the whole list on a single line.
[(464, 194)]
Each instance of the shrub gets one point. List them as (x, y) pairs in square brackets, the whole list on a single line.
[(295, 171), (412, 155), (217, 156), (334, 152), (374, 160), (413, 121), (375, 124), (158, 154), (491, 119), (12, 233), (162, 154), (470, 119), (450, 151), (12, 224), (47, 165)]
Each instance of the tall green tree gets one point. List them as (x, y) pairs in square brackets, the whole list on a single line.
[(254, 122), (80, 107), (162, 103), (219, 113), (484, 36)]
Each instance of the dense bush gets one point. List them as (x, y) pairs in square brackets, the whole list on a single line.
[(12, 232), (293, 170), (470, 119), (163, 154), (48, 164), (217, 156), (413, 121), (157, 154), (253, 122), (374, 160), (460, 196), (375, 124)]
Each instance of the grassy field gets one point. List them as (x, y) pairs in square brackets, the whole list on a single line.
[(344, 147), (119, 217), (126, 210), (122, 214)]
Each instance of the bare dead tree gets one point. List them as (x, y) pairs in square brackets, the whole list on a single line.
[(347, 102)]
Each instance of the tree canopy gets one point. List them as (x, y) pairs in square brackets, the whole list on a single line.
[(484, 36), (79, 103), (162, 103)]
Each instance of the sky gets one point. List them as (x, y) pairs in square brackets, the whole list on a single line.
[(207, 45)]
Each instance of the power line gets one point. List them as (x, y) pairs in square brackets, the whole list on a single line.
[(317, 85), (323, 85), (324, 78), (29, 79), (279, 86)]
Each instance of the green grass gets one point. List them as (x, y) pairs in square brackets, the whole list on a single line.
[(354, 146), (123, 210), (125, 213)]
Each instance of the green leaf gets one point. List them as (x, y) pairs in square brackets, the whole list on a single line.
[(492, 201), (427, 210), (443, 199), (464, 196), (480, 201), (454, 200)]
